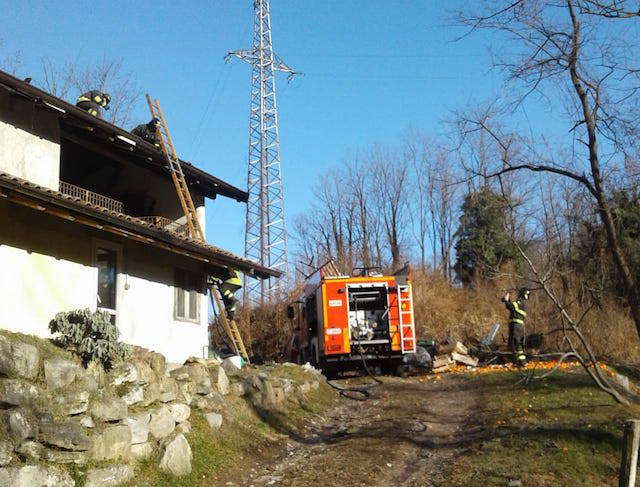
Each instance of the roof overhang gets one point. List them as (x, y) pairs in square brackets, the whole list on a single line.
[(94, 127), (71, 209)]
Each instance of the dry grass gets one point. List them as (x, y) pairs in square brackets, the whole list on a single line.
[(466, 313), (442, 309), (268, 328)]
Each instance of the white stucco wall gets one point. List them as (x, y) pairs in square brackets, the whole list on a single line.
[(47, 267), (32, 292), (200, 211), (202, 217), (29, 157), (146, 311)]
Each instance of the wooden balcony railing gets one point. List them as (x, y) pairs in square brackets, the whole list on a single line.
[(91, 197), (167, 224), (114, 205)]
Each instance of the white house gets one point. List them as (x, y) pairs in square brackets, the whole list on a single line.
[(89, 217)]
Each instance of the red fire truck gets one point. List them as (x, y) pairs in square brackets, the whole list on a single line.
[(352, 322)]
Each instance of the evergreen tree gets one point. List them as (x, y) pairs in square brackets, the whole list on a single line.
[(591, 256), (483, 244)]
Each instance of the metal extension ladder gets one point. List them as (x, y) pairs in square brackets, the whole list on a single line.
[(195, 229), (405, 315)]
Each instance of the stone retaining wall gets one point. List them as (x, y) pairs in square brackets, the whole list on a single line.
[(54, 411)]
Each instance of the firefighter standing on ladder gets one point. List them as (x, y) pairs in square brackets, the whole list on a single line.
[(228, 288), (517, 314)]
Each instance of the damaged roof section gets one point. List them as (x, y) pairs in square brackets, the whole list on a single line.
[(78, 123), (73, 209)]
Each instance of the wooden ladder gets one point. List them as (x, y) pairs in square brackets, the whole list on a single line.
[(230, 327), (195, 229)]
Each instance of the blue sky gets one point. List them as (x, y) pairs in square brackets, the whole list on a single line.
[(373, 69)]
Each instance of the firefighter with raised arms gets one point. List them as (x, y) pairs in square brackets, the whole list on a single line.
[(517, 314)]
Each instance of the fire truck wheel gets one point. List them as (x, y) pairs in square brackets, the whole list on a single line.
[(331, 373), (397, 369)]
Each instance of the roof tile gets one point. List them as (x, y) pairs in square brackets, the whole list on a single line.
[(122, 216)]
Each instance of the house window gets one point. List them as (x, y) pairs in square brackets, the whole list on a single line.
[(188, 286), (106, 261)]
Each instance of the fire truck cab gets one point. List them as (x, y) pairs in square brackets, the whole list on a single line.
[(352, 322)]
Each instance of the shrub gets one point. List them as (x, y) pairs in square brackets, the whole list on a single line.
[(89, 334)]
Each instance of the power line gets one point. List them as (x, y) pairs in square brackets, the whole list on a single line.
[(224, 72)]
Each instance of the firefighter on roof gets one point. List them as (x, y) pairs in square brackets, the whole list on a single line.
[(92, 101), (517, 314), (148, 131), (228, 288)]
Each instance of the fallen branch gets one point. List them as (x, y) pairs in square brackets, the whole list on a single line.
[(590, 365)]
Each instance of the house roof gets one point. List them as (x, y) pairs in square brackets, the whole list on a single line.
[(118, 138), (28, 194)]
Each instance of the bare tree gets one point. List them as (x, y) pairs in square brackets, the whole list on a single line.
[(10, 62), (358, 186), (562, 45), (416, 149), (580, 348), (433, 199), (338, 206), (69, 81), (443, 201), (309, 249), (390, 174), (57, 80), (109, 76)]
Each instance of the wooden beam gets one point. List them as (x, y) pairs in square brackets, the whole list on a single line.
[(629, 461)]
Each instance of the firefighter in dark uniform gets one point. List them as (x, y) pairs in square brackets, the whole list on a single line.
[(92, 101), (148, 131), (517, 314), (228, 288)]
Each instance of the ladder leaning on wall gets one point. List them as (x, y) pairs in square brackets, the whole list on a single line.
[(195, 229)]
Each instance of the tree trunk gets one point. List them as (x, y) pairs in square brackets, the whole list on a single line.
[(604, 210)]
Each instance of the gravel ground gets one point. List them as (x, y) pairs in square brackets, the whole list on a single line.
[(404, 433)]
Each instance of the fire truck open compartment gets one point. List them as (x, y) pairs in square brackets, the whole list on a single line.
[(368, 314), (354, 322)]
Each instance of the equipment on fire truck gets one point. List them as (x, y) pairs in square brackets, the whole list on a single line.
[(351, 322)]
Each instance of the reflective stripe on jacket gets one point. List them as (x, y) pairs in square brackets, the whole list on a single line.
[(518, 311), (94, 96)]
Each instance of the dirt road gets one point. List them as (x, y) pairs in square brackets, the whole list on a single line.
[(405, 433)]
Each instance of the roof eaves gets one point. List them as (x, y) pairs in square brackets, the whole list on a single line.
[(17, 86), (131, 223)]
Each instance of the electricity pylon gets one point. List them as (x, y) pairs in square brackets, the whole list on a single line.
[(266, 233)]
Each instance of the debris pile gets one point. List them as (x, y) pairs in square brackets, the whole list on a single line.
[(451, 354)]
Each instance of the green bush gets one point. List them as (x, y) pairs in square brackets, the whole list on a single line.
[(89, 334)]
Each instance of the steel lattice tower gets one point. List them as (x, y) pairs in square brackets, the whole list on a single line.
[(266, 234)]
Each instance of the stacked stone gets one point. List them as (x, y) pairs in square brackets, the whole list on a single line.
[(54, 411)]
